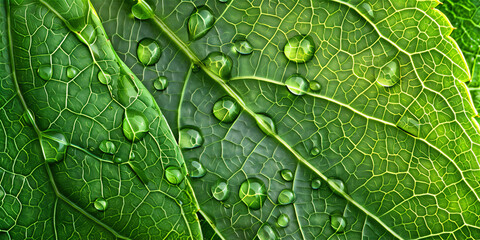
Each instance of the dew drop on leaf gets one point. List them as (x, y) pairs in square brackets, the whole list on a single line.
[(266, 233), (118, 160), (196, 169), (266, 124), (148, 51), (389, 74), (299, 49), (366, 9), (336, 185), (107, 147), (253, 193), (104, 78), (223, 1), (286, 197), (297, 84), (89, 34), (143, 10), (287, 175), (200, 22), (131, 156), (315, 151), (226, 109), (220, 190), (174, 175), (283, 220), (100, 204), (72, 72), (161, 83), (316, 183), (54, 146), (315, 86), (337, 222), (190, 138), (135, 125), (219, 63), (243, 47), (45, 72)]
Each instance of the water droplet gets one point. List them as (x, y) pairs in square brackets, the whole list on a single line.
[(100, 204), (88, 34), (314, 151), (72, 72), (174, 175), (226, 109), (244, 47), (253, 193), (283, 220), (337, 222), (366, 9), (107, 147), (200, 22), (389, 75), (336, 185), (409, 124), (126, 91), (220, 190), (118, 160), (219, 63), (299, 49), (297, 84), (266, 124), (223, 1), (135, 125), (190, 138), (287, 175), (143, 10), (285, 197), (160, 83), (196, 169), (131, 156), (315, 86), (266, 233), (316, 183), (104, 78), (45, 72), (54, 146), (148, 51)]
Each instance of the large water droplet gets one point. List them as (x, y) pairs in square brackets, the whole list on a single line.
[(160, 83), (196, 169), (297, 84), (389, 75), (89, 34), (226, 109), (200, 21), (107, 147), (366, 9), (287, 175), (143, 10), (316, 183), (285, 197), (409, 124), (283, 220), (315, 86), (253, 193), (299, 49), (148, 51), (190, 138), (174, 175), (314, 151), (219, 63), (45, 72), (337, 222), (104, 78), (220, 190), (244, 47), (266, 233), (266, 124), (100, 204), (337, 186), (72, 72), (135, 125), (54, 146)]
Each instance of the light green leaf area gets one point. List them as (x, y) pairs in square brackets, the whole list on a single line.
[(88, 159)]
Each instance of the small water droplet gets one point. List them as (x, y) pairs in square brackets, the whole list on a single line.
[(287, 175), (54, 146), (283, 220), (125, 92), (315, 151), (148, 51), (338, 222), (196, 169), (315, 86), (174, 175), (220, 190), (253, 193), (104, 78), (337, 186), (45, 72), (200, 22), (117, 160), (107, 147), (161, 83), (266, 233), (316, 183), (409, 124), (243, 47), (219, 63), (223, 1), (89, 34), (226, 109), (72, 72), (286, 197), (297, 84), (131, 156), (100, 204), (143, 10), (190, 138), (389, 75), (366, 9), (266, 124), (299, 49), (135, 125)]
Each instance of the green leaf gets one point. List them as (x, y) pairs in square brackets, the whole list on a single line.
[(84, 146)]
